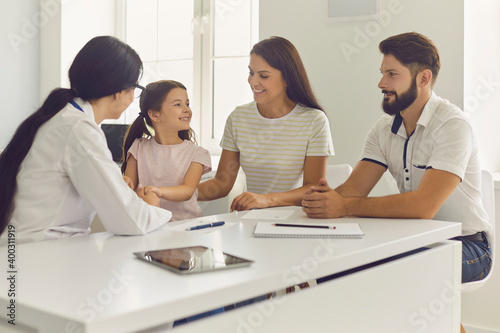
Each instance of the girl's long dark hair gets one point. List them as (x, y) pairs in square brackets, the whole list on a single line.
[(280, 53), (103, 67), (151, 99)]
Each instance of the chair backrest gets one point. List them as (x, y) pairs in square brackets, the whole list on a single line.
[(115, 133), (488, 198), (337, 174)]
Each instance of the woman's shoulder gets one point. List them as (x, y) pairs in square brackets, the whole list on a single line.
[(249, 106), (309, 113), (75, 123), (243, 113), (245, 108), (303, 109)]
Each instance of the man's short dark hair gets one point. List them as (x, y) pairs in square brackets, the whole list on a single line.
[(414, 51)]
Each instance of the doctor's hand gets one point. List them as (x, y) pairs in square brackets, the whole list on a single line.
[(150, 197), (321, 201), (129, 182), (249, 200), (153, 189)]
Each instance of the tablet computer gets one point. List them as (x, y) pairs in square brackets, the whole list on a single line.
[(193, 259)]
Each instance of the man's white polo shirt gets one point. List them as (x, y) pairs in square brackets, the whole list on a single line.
[(443, 140)]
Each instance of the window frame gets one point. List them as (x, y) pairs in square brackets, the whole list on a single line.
[(202, 94)]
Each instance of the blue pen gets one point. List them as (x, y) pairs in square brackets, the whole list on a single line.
[(209, 225)]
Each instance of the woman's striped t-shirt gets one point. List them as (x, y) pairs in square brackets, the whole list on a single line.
[(272, 151)]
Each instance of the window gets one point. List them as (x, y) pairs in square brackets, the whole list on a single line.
[(482, 78), (203, 44)]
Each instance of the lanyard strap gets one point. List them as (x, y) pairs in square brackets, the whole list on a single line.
[(76, 106)]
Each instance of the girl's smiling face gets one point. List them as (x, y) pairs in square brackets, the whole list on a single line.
[(175, 114)]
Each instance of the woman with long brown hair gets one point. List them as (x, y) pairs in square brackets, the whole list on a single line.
[(281, 140)]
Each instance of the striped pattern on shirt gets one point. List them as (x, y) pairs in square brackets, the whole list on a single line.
[(272, 151)]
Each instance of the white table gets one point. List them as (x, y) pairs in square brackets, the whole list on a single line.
[(95, 284)]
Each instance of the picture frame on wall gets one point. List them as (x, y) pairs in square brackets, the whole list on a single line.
[(348, 10)]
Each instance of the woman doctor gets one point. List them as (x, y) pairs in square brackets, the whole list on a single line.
[(57, 171)]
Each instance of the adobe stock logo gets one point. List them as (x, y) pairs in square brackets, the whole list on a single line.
[(421, 319), (372, 29), (93, 305), (30, 26), (221, 7), (298, 273), (485, 89)]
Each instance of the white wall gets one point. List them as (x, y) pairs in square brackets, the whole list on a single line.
[(347, 85), (482, 77), (33, 59), (20, 44), (482, 102)]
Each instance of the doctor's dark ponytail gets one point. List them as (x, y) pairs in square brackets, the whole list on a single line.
[(136, 130), (20, 144), (103, 67)]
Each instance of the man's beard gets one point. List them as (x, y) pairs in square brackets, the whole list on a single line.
[(402, 101)]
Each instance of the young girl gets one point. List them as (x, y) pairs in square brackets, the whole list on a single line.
[(167, 163)]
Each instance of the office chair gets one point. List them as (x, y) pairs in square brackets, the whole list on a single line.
[(115, 133), (488, 197), (337, 174)]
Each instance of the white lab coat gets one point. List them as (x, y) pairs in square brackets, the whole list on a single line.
[(68, 176)]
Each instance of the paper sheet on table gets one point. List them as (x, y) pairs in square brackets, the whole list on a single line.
[(268, 214)]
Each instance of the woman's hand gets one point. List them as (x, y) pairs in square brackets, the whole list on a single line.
[(129, 182), (249, 200)]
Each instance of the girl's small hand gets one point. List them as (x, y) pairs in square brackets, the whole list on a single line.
[(153, 189), (150, 197), (249, 200), (129, 182)]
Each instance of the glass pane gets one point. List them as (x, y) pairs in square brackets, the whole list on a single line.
[(230, 90), (178, 70), (232, 28), (182, 71), (150, 73), (175, 37), (141, 33)]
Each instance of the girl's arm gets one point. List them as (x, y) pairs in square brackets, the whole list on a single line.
[(222, 183), (131, 171), (314, 170), (181, 192)]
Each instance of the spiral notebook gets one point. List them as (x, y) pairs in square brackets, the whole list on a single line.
[(334, 230)]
